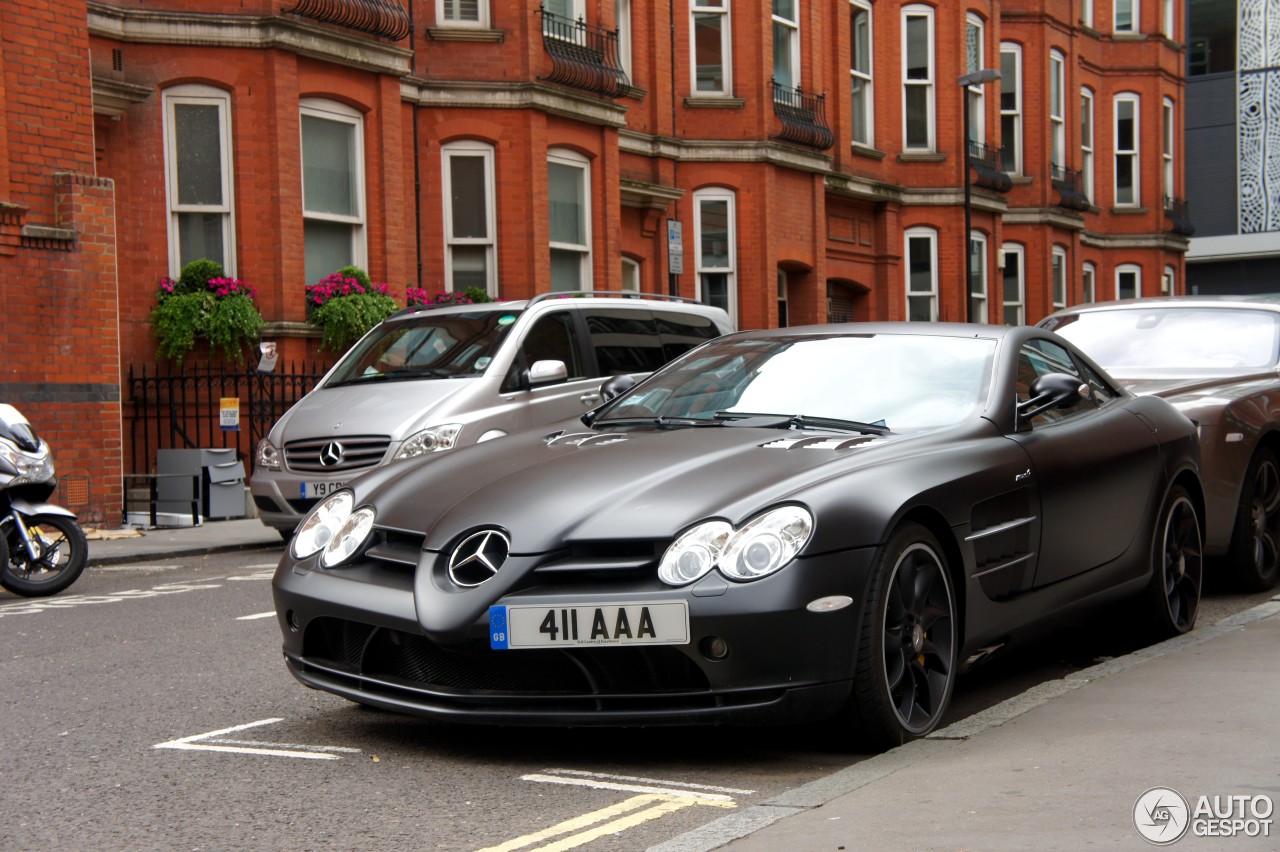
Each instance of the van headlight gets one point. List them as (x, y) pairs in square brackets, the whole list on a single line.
[(430, 440), (266, 456), (760, 547)]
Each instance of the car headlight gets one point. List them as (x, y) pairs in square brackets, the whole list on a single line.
[(322, 524), (431, 440), (347, 540), (761, 547), (266, 456), (694, 553)]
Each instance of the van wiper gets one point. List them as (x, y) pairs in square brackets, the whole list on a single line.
[(396, 376), (655, 421), (743, 419)]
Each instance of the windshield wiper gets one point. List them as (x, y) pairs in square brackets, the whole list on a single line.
[(799, 421), (655, 421), (397, 376)]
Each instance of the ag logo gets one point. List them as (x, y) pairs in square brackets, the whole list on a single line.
[(1161, 816)]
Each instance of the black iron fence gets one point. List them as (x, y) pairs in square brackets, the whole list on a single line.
[(184, 408)]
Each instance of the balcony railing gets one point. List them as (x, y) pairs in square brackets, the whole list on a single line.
[(1070, 186), (987, 163), (583, 56), (1179, 213), (804, 117), (385, 18)]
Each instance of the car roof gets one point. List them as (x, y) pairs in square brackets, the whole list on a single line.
[(1259, 301), (596, 298)]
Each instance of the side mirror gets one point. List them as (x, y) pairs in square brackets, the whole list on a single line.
[(546, 373), (1053, 390), (616, 385)]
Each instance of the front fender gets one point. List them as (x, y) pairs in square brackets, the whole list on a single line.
[(28, 509)]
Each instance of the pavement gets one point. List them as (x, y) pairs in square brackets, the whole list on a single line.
[(1175, 744)]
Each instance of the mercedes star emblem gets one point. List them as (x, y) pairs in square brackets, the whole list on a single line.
[(331, 454), (478, 557)]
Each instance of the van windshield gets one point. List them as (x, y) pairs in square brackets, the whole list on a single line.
[(427, 346)]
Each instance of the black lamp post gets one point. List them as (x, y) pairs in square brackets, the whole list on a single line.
[(973, 78)]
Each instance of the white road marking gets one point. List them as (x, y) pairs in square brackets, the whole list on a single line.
[(71, 601), (216, 741), (257, 575), (256, 615), (629, 788), (584, 774), (145, 566)]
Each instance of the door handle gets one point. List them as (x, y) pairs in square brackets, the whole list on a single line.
[(590, 398)]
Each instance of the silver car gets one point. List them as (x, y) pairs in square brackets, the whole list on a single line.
[(433, 378), (1217, 358)]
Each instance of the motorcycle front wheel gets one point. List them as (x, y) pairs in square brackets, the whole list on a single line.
[(64, 550)]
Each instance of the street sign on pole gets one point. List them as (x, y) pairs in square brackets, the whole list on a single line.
[(675, 247)]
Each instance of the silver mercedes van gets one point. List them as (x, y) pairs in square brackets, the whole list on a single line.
[(429, 379)]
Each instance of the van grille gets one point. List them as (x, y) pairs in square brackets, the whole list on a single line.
[(331, 455)]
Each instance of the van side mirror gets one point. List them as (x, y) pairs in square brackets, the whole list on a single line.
[(1053, 390), (545, 373), (616, 385)]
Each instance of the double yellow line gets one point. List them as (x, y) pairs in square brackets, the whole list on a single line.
[(606, 821)]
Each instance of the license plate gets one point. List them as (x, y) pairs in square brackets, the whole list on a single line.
[(315, 490), (657, 623)]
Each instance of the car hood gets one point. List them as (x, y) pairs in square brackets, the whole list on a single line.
[(613, 485), (1183, 390), (377, 408)]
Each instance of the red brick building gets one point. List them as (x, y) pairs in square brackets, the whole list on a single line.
[(795, 162)]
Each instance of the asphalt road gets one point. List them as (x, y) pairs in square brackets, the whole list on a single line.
[(148, 708)]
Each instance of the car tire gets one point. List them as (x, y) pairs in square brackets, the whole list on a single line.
[(906, 666), (1177, 565), (1254, 555)]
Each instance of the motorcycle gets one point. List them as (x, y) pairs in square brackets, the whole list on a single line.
[(42, 548)]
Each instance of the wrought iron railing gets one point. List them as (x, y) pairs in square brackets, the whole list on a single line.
[(385, 18), (987, 163), (1070, 186), (583, 56), (803, 115), (1179, 212)]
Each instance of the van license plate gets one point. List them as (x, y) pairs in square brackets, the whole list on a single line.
[(655, 623), (316, 490)]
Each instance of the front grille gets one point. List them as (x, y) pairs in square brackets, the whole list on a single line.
[(358, 452), (476, 671)]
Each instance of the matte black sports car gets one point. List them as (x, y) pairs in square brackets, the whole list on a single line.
[(1217, 359), (778, 526)]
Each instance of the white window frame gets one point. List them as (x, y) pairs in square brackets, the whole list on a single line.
[(1086, 13), (1133, 153), (930, 235), (572, 159), (1135, 16), (1167, 282), (1089, 283), (792, 28), (726, 48), (1018, 304), (1087, 141), (630, 275), (1012, 116), (978, 299), (1167, 18), (1167, 142), (199, 95), (926, 83), (865, 76), (622, 20), (1127, 269), (701, 266), (975, 35), (443, 8), (1058, 284), (1057, 110), (784, 312), (341, 113), (484, 151)]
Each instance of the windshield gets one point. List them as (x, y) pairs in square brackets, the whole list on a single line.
[(427, 346), (898, 381), (1159, 340)]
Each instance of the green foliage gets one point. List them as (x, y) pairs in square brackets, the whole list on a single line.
[(357, 273), (196, 274), (204, 304), (477, 294), (344, 319)]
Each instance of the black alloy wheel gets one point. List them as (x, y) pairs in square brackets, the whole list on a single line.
[(63, 552), (906, 666), (1177, 562), (1255, 542)]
